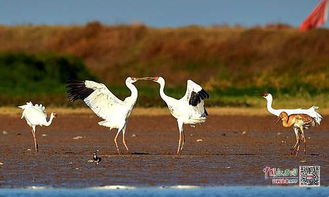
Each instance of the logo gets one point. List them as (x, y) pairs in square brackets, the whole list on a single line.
[(309, 176), (281, 176), (306, 176)]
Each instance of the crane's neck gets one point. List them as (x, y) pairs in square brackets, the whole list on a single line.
[(162, 94), (287, 122), (134, 93), (50, 120), (269, 100)]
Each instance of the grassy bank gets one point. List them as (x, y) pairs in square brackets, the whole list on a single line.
[(149, 97), (234, 64)]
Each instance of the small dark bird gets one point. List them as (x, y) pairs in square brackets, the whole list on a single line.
[(96, 158)]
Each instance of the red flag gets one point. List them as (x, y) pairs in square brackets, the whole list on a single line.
[(317, 17)]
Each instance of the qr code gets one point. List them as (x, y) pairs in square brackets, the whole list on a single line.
[(309, 176)]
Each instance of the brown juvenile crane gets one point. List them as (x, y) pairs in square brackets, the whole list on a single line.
[(298, 122)]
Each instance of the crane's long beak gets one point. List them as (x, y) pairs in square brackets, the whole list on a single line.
[(145, 78)]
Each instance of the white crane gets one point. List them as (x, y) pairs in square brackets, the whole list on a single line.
[(105, 104), (310, 111), (187, 110), (35, 115)]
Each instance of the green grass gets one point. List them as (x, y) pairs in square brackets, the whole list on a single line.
[(149, 97), (234, 64)]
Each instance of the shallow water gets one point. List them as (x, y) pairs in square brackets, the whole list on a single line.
[(169, 191)]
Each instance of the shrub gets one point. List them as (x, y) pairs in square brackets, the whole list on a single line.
[(24, 73)]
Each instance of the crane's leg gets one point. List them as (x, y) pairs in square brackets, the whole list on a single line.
[(297, 149), (299, 140), (180, 128), (123, 137), (183, 142), (35, 140), (304, 139), (115, 141), (294, 149), (179, 143)]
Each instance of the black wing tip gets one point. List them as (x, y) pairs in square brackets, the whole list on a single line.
[(76, 89), (74, 82), (203, 94), (197, 97)]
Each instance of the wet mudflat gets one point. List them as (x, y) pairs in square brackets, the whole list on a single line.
[(226, 150)]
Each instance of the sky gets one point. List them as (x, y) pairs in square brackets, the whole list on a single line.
[(156, 13)]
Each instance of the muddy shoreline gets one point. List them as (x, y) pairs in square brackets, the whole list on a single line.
[(226, 150)]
